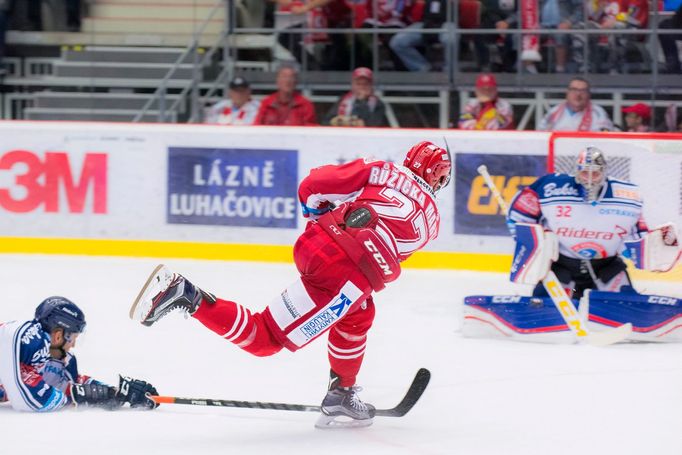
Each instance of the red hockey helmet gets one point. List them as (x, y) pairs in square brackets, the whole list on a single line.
[(431, 163)]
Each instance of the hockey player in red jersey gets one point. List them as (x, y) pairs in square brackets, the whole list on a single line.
[(366, 216)]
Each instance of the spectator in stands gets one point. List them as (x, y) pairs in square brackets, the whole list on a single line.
[(360, 106), (578, 112), (562, 15), (238, 109), (334, 14), (673, 121), (669, 42), (637, 118), (388, 14), (500, 15), (487, 111), (286, 106), (616, 15), (407, 45)]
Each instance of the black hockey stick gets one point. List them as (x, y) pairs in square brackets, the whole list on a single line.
[(421, 380)]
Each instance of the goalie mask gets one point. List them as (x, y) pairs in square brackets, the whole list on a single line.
[(431, 163), (590, 171)]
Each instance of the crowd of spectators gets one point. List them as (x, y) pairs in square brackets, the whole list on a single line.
[(362, 107), (426, 25)]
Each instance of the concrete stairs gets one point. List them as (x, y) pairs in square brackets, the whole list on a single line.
[(120, 72)]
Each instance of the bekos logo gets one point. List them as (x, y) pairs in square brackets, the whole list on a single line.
[(27, 182), (551, 189), (661, 300), (506, 299), (372, 248), (482, 202)]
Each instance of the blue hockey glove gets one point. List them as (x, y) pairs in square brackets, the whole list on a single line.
[(136, 393)]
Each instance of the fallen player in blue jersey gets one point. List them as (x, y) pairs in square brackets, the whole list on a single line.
[(578, 226), (39, 373)]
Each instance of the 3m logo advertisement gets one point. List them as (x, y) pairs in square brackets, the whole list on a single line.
[(53, 182), (476, 210), (233, 187)]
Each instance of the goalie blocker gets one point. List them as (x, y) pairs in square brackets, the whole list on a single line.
[(654, 318)]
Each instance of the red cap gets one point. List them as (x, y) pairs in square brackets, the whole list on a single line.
[(363, 72), (486, 80), (640, 109)]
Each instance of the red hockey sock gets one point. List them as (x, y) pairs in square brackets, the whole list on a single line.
[(347, 340), (239, 326), (345, 357)]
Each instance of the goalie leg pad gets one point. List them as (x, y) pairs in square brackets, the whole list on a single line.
[(653, 317), (515, 317), (535, 252)]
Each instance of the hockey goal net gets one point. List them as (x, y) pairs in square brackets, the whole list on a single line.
[(652, 161)]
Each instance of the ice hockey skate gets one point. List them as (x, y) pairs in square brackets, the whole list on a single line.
[(343, 408), (163, 293)]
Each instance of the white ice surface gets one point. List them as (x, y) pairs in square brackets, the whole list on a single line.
[(485, 397)]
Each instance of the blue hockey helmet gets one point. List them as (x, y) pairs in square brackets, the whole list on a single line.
[(59, 312)]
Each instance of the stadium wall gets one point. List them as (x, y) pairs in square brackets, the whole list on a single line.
[(211, 192)]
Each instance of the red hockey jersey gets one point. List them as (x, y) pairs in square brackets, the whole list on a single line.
[(405, 204)]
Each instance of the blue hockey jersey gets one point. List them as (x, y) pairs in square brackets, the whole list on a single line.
[(585, 229), (24, 360)]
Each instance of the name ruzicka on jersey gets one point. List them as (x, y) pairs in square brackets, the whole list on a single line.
[(409, 186), (391, 178)]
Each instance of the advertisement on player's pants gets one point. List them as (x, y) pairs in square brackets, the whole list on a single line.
[(232, 187), (476, 209)]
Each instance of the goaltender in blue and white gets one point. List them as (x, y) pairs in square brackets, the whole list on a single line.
[(580, 226)]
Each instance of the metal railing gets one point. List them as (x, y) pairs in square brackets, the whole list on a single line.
[(193, 50)]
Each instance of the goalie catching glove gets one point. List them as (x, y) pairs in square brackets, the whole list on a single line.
[(658, 251), (132, 391)]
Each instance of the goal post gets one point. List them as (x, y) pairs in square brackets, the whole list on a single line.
[(651, 160)]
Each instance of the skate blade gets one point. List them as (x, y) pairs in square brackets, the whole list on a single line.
[(158, 281), (325, 422)]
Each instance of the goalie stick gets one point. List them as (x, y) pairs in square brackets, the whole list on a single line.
[(421, 380), (561, 300)]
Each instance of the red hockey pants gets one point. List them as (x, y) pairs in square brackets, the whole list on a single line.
[(330, 295)]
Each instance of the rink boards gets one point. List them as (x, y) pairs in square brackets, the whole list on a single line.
[(211, 192)]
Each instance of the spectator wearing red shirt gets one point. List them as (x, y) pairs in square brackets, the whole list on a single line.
[(286, 106), (330, 14), (487, 111), (388, 14)]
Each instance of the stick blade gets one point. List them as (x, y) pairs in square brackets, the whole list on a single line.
[(416, 390), (610, 336)]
